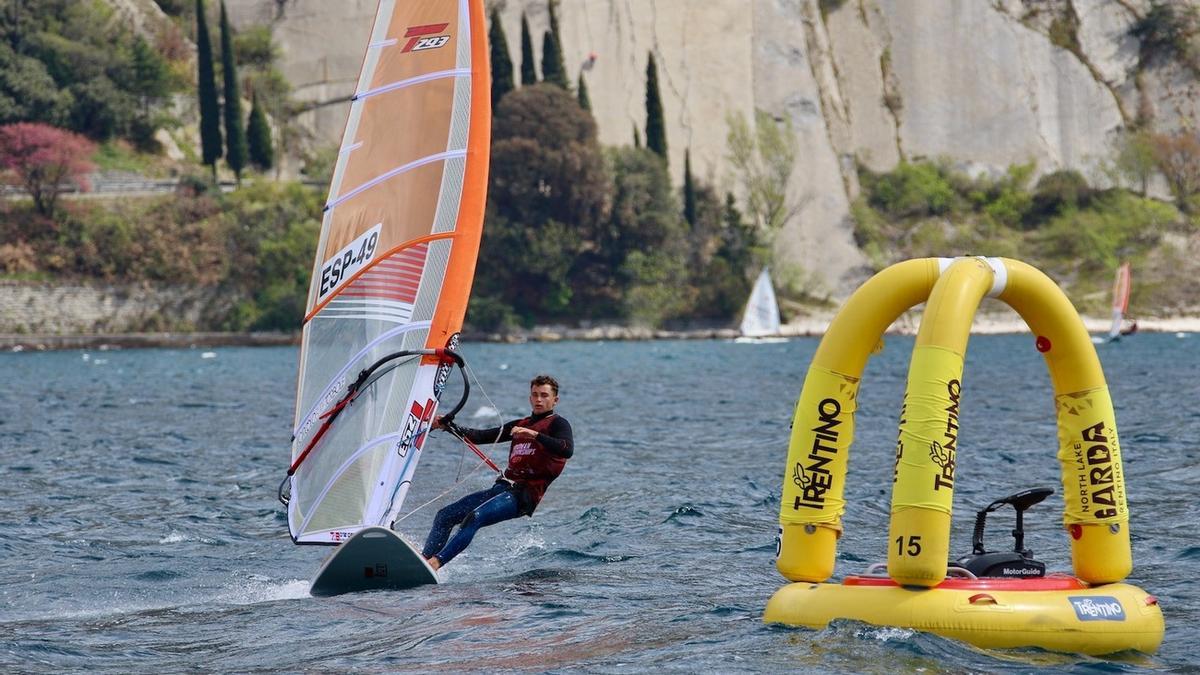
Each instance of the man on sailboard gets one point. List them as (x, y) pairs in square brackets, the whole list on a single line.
[(541, 445)]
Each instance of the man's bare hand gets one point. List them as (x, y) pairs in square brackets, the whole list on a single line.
[(524, 433)]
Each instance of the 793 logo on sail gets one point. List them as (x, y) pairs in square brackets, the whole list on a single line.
[(346, 262), (425, 37)]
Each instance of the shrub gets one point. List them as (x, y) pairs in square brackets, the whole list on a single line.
[(910, 190)]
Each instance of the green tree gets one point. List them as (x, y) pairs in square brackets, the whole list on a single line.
[(258, 137), (528, 67), (553, 69), (502, 66), (581, 94), (44, 159), (764, 158), (210, 106), (646, 242), (1134, 160), (547, 198), (235, 130), (656, 128), (28, 92), (689, 189), (723, 277), (151, 75)]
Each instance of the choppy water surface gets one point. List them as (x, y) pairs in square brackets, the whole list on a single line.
[(141, 533)]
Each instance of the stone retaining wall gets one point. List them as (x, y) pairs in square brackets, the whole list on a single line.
[(58, 308)]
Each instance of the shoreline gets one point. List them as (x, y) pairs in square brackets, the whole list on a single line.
[(811, 326)]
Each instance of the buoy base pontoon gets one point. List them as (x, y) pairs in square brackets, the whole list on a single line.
[(1056, 612)]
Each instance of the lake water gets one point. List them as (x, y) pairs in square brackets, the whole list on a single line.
[(140, 530)]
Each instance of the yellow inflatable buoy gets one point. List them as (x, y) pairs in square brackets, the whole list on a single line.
[(1095, 615)]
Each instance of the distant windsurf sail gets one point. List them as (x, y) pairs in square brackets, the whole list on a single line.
[(762, 311), (394, 265), (1120, 299)]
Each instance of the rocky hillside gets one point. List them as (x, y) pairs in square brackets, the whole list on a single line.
[(863, 82)]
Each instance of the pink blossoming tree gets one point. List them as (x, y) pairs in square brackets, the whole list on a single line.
[(45, 160)]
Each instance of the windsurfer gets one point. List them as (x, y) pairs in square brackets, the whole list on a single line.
[(541, 445)]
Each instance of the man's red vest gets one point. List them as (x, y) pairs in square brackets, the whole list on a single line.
[(531, 466)]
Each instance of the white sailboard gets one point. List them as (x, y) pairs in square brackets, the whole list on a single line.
[(760, 321), (390, 284)]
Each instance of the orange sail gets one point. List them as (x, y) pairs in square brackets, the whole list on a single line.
[(1120, 300), (394, 266)]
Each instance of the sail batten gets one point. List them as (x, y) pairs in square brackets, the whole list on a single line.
[(393, 269), (393, 86)]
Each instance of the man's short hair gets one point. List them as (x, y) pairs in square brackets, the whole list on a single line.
[(545, 379)]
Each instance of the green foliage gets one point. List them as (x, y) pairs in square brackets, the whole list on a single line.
[(256, 245), (1063, 226), (1064, 31), (548, 196), (581, 94), (553, 67), (73, 64), (502, 65), (764, 158), (1134, 160), (656, 128), (235, 129), (210, 106), (909, 190), (1093, 241), (689, 189), (1058, 192), (270, 233), (528, 67), (1166, 31), (254, 47), (723, 279), (258, 138)]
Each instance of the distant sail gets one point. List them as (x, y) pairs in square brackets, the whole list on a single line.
[(761, 318), (1120, 299), (394, 266)]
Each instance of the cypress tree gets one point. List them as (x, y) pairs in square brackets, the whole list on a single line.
[(689, 189), (637, 137), (502, 66), (210, 107), (258, 137), (235, 130), (585, 101), (528, 67), (552, 68), (656, 130)]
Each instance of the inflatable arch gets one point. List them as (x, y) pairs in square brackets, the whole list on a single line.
[(1095, 516)]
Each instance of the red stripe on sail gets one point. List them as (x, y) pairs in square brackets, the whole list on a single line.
[(395, 278)]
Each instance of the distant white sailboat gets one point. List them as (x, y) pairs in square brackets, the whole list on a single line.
[(760, 322)]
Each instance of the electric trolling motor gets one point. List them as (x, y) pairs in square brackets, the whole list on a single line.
[(1017, 563)]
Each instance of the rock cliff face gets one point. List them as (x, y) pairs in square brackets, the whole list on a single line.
[(988, 84)]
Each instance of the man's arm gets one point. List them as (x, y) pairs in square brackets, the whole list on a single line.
[(501, 434), (558, 439)]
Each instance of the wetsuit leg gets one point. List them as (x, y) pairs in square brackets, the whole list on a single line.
[(497, 509), (452, 515)]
